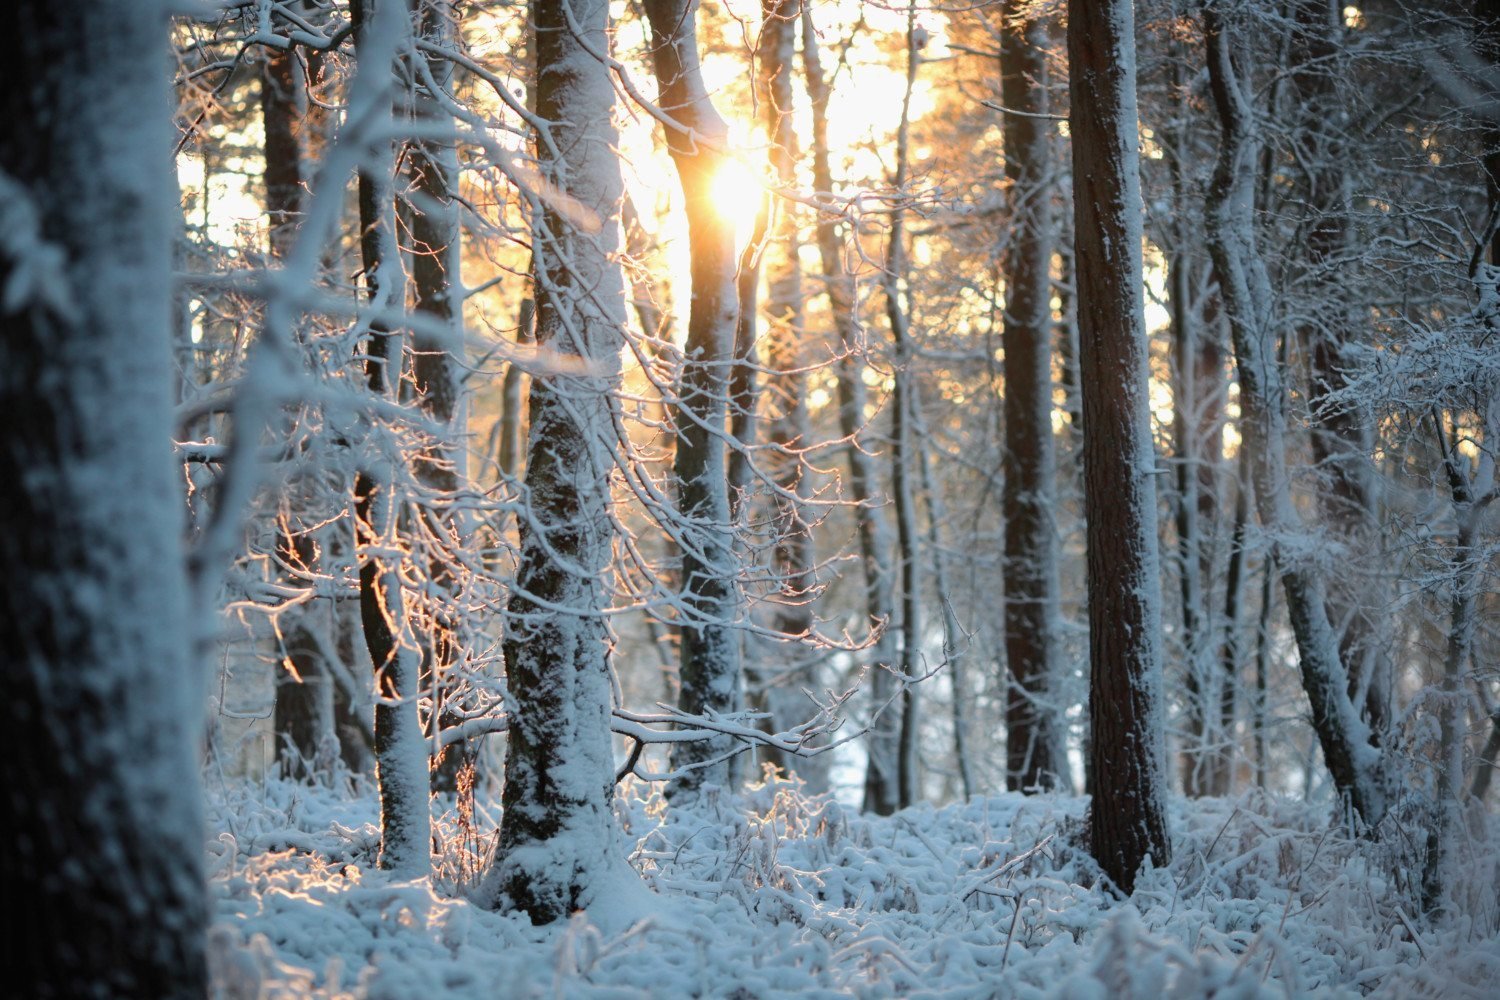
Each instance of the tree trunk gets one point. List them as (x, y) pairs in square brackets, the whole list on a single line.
[(881, 793), (437, 290), (101, 815), (1033, 747), (905, 406), (401, 764), (1127, 820), (1352, 759), (710, 643), (1341, 440), (559, 846)]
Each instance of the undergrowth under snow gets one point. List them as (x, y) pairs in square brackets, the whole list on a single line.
[(776, 893)]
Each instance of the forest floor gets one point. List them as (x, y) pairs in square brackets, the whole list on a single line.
[(777, 893)]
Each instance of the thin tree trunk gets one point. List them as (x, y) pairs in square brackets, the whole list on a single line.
[(1471, 490), (1353, 759), (1033, 747), (1341, 439), (303, 717), (953, 656), (1263, 669), (437, 293), (1127, 818), (905, 405), (710, 642), (101, 815), (559, 846), (400, 750), (788, 429), (881, 793)]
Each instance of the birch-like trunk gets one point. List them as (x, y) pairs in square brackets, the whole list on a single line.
[(102, 706), (559, 846), (1033, 746), (1471, 490), (881, 793), (710, 666), (1352, 759), (1127, 818), (401, 765)]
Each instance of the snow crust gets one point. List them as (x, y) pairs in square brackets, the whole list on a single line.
[(782, 894)]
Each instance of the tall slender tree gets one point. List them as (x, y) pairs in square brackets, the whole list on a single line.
[(1033, 751), (1127, 818), (400, 750), (698, 142), (881, 794), (1346, 739)]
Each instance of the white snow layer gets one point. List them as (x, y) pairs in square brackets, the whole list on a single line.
[(782, 894)]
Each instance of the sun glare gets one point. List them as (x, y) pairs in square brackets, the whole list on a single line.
[(737, 195)]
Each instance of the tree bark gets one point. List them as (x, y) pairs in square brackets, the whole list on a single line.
[(1033, 749), (905, 406), (101, 817), (559, 846), (1127, 819), (1353, 759), (401, 764), (437, 290), (710, 668), (881, 794), (1341, 440)]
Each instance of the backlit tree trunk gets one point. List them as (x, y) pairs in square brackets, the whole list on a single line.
[(437, 290), (400, 750), (881, 794), (710, 668)]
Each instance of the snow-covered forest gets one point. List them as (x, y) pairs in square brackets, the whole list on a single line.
[(750, 499)]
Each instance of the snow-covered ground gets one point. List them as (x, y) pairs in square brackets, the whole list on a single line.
[(781, 894)]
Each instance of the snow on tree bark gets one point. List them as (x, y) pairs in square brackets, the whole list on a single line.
[(710, 666), (1033, 751), (559, 847), (1341, 437), (437, 293), (101, 817), (1352, 759), (401, 761), (1127, 821)]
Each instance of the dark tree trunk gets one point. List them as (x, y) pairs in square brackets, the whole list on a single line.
[(1127, 820), (303, 715), (1341, 440), (1033, 747), (101, 816), (905, 406)]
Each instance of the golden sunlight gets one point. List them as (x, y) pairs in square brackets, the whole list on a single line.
[(738, 193)]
